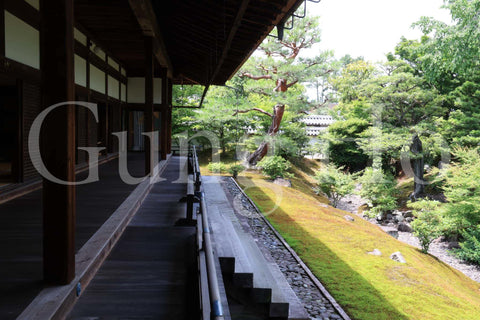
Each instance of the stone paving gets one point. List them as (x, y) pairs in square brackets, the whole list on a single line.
[(317, 306)]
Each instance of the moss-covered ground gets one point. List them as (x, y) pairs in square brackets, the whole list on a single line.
[(366, 286)]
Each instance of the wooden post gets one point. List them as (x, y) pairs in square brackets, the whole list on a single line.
[(164, 119), (148, 113), (58, 140), (170, 106)]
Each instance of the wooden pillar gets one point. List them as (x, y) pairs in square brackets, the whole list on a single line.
[(148, 113), (164, 119), (58, 140), (170, 106)]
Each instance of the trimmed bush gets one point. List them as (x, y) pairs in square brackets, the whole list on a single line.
[(217, 167), (275, 167), (470, 247), (428, 225), (235, 170), (334, 183), (380, 190)]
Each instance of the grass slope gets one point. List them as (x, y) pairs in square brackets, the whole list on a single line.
[(368, 287)]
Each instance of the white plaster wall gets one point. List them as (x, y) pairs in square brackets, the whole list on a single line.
[(124, 93), (113, 87), (80, 71), (98, 51), (97, 79), (113, 64), (136, 90), (157, 90), (80, 37), (22, 41), (34, 3)]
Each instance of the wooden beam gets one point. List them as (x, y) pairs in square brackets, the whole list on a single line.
[(14, 69), (145, 14), (148, 112), (24, 11), (58, 140)]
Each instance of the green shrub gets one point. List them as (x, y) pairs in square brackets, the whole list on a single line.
[(217, 167), (275, 167), (380, 191), (235, 170), (334, 183), (343, 149), (428, 225), (470, 247), (462, 191)]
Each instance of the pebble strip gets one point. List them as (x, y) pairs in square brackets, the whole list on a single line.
[(316, 304)]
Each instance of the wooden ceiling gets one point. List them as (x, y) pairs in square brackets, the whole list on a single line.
[(206, 41)]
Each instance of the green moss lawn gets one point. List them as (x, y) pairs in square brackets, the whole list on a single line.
[(368, 287)]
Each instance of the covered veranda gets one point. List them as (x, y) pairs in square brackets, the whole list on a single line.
[(124, 56)]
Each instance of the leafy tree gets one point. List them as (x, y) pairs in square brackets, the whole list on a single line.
[(462, 127), (401, 103), (334, 183), (450, 56), (350, 79), (428, 224), (216, 116), (380, 191), (343, 149), (275, 166), (274, 77), (461, 212), (462, 191), (184, 95)]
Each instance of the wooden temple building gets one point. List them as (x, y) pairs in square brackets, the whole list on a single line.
[(123, 56)]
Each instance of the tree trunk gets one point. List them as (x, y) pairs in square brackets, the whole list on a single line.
[(417, 164), (262, 149)]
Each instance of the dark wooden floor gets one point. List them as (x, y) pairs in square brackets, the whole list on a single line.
[(150, 274), (21, 232)]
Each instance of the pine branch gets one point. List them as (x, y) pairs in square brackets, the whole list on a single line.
[(251, 76), (253, 109)]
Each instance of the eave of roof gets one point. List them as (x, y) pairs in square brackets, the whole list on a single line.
[(200, 41)]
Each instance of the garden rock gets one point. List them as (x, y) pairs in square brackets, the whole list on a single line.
[(397, 256), (408, 214), (375, 252), (404, 227), (283, 182), (392, 231)]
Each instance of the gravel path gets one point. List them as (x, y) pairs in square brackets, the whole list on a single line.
[(316, 304), (438, 248)]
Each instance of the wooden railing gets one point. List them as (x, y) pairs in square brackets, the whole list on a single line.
[(210, 301)]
